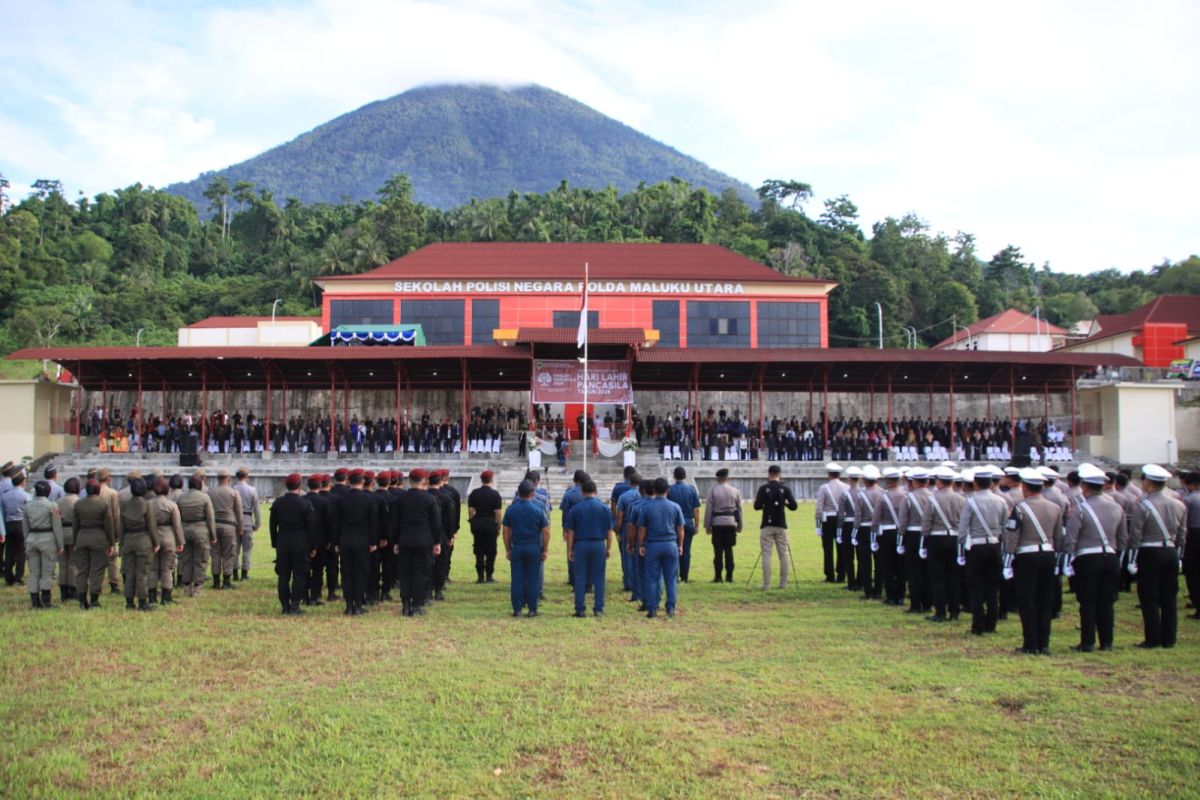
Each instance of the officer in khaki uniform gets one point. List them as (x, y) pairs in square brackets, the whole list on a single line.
[(66, 562), (909, 547), (827, 505), (1157, 537), (1032, 536), (227, 510), (979, 532), (939, 545), (110, 496), (1095, 534), (138, 545), (168, 534), (95, 543), (251, 520), (42, 525), (890, 523), (199, 534)]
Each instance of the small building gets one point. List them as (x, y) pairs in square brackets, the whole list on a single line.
[(1130, 423), (251, 332), (1150, 334), (1191, 348), (37, 418), (1010, 331)]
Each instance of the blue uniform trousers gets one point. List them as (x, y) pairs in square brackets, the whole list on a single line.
[(526, 567), (589, 570), (662, 564), (627, 571), (685, 561)]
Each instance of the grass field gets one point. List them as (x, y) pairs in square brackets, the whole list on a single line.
[(808, 692)]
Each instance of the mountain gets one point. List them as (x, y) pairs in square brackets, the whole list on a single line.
[(458, 142)]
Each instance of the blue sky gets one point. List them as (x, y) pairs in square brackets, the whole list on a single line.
[(1069, 129)]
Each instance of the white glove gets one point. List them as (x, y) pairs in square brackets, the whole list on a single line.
[(1132, 568), (854, 542), (1069, 571), (900, 549), (962, 561), (838, 539), (874, 547), (1008, 573), (923, 553)]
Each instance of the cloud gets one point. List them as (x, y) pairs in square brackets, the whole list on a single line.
[(1067, 129)]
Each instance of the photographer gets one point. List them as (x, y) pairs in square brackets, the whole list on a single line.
[(774, 499)]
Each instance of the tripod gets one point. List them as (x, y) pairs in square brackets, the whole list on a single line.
[(758, 558)]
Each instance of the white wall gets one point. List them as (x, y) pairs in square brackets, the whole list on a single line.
[(1120, 345)]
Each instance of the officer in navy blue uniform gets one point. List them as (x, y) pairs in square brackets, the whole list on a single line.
[(293, 528), (417, 534), (660, 543), (589, 530), (356, 539), (570, 497), (684, 495), (526, 541)]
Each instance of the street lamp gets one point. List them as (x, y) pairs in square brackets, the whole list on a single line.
[(879, 310), (137, 342), (273, 307)]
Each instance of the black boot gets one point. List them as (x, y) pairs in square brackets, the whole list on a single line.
[(479, 576), (166, 597), (717, 579), (35, 600), (228, 584), (46, 599), (729, 576), (349, 612), (83, 602), (144, 606), (216, 582), (245, 574), (72, 593), (95, 601), (153, 597), (406, 608), (112, 589), (64, 594), (128, 602), (490, 579)]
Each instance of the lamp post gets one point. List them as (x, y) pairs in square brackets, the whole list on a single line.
[(879, 311), (273, 307), (137, 341)]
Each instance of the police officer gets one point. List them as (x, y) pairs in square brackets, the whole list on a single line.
[(138, 545), (418, 540), (484, 513), (357, 538), (589, 530), (526, 530), (95, 540), (684, 495), (67, 577), (13, 501), (168, 534), (868, 499), (43, 532), (660, 542), (723, 522), (1094, 536), (774, 499), (625, 518), (322, 525), (939, 545), (891, 520), (293, 529), (570, 497), (199, 535), (250, 523), (915, 572), (230, 518), (441, 561), (112, 497), (1157, 538), (50, 475), (828, 503), (846, 539), (980, 529), (455, 518), (1032, 536), (1191, 562)]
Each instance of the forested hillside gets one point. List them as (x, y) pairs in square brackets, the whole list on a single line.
[(98, 269), (462, 142)]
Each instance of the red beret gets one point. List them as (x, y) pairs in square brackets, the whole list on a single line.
[(318, 477), (314, 481), (398, 474), (356, 471), (368, 474), (418, 475), (292, 481), (340, 474), (486, 475)]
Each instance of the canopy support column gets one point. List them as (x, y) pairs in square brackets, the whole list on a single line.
[(825, 403), (951, 448), (332, 408), (79, 406), (889, 404), (1073, 427), (399, 389), (266, 414), (1012, 411), (141, 441), (762, 373), (203, 407), (103, 408)]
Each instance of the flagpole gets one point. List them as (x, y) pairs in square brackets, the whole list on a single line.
[(584, 323)]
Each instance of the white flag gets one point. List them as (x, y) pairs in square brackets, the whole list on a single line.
[(581, 337)]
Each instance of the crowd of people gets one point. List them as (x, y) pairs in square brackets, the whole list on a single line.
[(986, 540)]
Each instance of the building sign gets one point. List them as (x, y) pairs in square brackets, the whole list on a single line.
[(562, 382), (567, 287), (1180, 368)]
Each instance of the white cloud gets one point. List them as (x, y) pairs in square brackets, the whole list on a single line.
[(1068, 129)]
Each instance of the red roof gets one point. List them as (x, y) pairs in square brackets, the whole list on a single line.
[(1167, 308), (606, 261), (1010, 321), (246, 322)]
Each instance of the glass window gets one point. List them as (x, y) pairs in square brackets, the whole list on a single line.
[(570, 319), (666, 322), (360, 312), (485, 318), (441, 320), (789, 324), (718, 323)]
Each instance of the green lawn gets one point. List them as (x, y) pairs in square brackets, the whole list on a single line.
[(808, 692)]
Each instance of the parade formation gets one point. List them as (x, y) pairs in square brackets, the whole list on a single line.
[(984, 540)]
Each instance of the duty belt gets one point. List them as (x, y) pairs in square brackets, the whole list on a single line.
[(192, 521), (941, 533), (883, 528), (1156, 544), (985, 540), (41, 530), (230, 521), (1034, 548), (1094, 551)]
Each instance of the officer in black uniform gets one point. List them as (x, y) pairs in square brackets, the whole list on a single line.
[(441, 559), (483, 510), (455, 515), (377, 489), (293, 527), (395, 490), (356, 540), (418, 539), (323, 522)]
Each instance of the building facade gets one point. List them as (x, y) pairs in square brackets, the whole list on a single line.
[(1010, 331)]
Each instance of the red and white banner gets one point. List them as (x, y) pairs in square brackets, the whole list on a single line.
[(562, 382)]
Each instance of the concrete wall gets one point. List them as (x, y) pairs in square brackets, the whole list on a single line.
[(30, 407), (1137, 422)]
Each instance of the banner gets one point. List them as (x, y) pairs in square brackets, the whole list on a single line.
[(562, 382), (1180, 368)]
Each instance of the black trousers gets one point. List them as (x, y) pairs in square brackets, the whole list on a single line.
[(1033, 578), (1097, 577), (292, 567), (944, 578), (915, 572), (1191, 568), (724, 538), (355, 559), (484, 547), (983, 586), (845, 557), (1158, 585), (828, 538), (375, 575), (14, 552), (891, 568), (441, 568), (868, 577), (412, 572), (1008, 595)]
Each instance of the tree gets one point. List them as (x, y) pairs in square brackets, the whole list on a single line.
[(841, 215), (1068, 308), (778, 191), (217, 193)]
